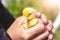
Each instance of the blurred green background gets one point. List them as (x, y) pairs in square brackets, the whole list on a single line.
[(16, 7)]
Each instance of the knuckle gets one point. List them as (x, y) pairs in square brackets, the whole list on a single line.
[(44, 19), (50, 22)]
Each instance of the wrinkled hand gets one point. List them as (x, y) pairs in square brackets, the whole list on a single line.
[(40, 31)]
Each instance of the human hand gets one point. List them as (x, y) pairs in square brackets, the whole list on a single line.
[(18, 32), (48, 25)]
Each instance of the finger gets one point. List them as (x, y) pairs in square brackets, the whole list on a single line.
[(44, 19), (50, 37), (35, 29), (49, 26), (21, 20), (42, 36), (37, 14)]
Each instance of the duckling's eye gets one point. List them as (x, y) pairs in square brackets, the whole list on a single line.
[(29, 14)]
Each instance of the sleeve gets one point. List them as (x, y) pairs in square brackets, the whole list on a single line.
[(4, 35), (6, 18)]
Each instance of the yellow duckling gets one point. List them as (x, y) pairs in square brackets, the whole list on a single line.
[(29, 14)]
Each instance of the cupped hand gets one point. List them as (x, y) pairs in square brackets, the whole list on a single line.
[(40, 31)]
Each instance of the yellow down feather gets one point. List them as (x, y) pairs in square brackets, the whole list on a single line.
[(29, 14)]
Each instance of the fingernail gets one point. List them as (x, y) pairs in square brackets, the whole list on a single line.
[(50, 37)]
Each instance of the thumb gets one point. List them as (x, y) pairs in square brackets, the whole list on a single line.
[(21, 20)]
